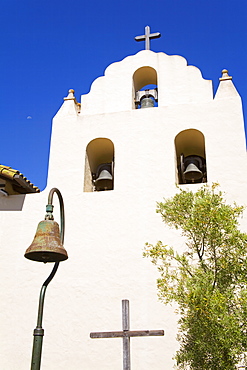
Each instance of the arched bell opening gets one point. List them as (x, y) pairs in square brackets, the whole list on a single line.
[(99, 165), (145, 88), (191, 157)]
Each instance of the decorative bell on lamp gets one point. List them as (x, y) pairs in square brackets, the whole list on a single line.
[(46, 245)]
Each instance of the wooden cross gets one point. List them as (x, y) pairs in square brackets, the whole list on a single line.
[(126, 334), (147, 37)]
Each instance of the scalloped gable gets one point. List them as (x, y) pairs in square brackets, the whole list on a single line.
[(178, 83)]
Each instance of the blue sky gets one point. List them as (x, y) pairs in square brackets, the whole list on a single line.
[(48, 47)]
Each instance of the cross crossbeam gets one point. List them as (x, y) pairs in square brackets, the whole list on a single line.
[(126, 334), (147, 37)]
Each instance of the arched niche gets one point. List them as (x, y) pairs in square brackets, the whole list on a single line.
[(190, 157), (145, 80), (99, 161)]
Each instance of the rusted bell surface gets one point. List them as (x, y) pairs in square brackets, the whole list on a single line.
[(46, 245)]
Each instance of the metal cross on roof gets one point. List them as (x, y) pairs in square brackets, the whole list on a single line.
[(126, 334), (147, 37)]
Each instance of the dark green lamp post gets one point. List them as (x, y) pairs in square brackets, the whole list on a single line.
[(47, 246)]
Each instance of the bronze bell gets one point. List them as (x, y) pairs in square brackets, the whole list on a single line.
[(147, 102), (46, 245), (192, 172), (193, 166), (104, 178)]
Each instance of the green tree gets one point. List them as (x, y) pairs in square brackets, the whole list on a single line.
[(208, 280)]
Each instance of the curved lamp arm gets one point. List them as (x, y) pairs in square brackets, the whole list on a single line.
[(39, 331)]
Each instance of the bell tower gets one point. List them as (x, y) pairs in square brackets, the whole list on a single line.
[(112, 159), (124, 159)]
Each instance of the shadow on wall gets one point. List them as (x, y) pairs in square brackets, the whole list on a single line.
[(12, 202)]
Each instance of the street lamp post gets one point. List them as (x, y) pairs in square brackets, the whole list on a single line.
[(47, 246)]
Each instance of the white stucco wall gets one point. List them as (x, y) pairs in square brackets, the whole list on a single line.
[(106, 231)]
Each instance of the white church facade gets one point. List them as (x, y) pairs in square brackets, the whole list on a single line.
[(113, 156)]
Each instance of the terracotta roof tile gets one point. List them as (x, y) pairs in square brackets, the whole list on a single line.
[(16, 182)]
